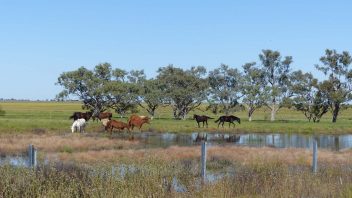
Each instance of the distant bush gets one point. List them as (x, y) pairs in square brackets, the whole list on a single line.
[(2, 112)]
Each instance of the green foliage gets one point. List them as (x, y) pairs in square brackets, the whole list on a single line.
[(88, 86), (276, 76), (224, 91), (308, 96), (184, 90), (253, 88), (338, 86), (151, 94)]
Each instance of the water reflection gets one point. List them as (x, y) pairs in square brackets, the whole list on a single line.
[(152, 140), (14, 160)]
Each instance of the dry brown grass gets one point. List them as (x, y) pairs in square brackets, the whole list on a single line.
[(243, 155), (11, 144)]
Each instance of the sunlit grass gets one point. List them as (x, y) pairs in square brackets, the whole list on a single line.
[(24, 117)]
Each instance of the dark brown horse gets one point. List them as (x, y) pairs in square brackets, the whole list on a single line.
[(77, 115), (202, 118), (230, 119)]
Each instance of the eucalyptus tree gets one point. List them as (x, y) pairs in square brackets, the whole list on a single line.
[(150, 92), (123, 90), (88, 86), (276, 76), (338, 86), (253, 89), (308, 96), (152, 96), (184, 90), (225, 86)]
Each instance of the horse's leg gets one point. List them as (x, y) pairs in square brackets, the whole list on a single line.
[(223, 124), (198, 124)]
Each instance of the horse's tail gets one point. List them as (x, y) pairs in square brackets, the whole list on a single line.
[(72, 116), (216, 121), (209, 117), (238, 120)]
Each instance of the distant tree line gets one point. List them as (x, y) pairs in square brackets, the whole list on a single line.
[(270, 82)]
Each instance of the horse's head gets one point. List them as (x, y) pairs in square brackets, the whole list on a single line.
[(146, 119), (195, 116)]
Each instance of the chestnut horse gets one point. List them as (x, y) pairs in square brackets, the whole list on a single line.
[(138, 121), (103, 115), (117, 124), (230, 119)]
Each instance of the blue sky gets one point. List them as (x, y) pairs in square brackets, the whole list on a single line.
[(41, 39)]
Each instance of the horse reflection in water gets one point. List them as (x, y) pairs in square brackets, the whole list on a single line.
[(223, 138)]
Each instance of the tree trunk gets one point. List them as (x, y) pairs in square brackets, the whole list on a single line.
[(250, 113), (273, 112), (335, 112)]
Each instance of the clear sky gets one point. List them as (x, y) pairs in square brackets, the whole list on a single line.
[(41, 39)]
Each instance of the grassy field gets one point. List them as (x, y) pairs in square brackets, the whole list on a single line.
[(53, 117), (81, 165)]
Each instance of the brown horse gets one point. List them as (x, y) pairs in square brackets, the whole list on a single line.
[(202, 118), (118, 125), (103, 115), (78, 115), (230, 119), (138, 121)]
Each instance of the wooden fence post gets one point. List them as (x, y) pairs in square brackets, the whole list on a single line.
[(204, 161)]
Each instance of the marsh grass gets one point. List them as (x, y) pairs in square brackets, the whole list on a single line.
[(154, 177)]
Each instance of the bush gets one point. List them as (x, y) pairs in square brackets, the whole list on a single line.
[(2, 112)]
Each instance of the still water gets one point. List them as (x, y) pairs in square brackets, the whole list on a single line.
[(154, 140)]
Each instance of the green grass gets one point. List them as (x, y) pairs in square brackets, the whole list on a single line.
[(53, 117)]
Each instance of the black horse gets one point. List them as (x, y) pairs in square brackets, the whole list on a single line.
[(201, 118), (77, 115), (230, 119)]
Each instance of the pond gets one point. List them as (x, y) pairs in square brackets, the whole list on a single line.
[(163, 140), (154, 140)]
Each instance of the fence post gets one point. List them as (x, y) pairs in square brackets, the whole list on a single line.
[(315, 155), (204, 161), (32, 156), (30, 150)]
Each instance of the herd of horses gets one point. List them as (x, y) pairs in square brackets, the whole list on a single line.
[(81, 118)]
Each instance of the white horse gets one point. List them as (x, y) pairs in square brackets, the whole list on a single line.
[(79, 125)]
